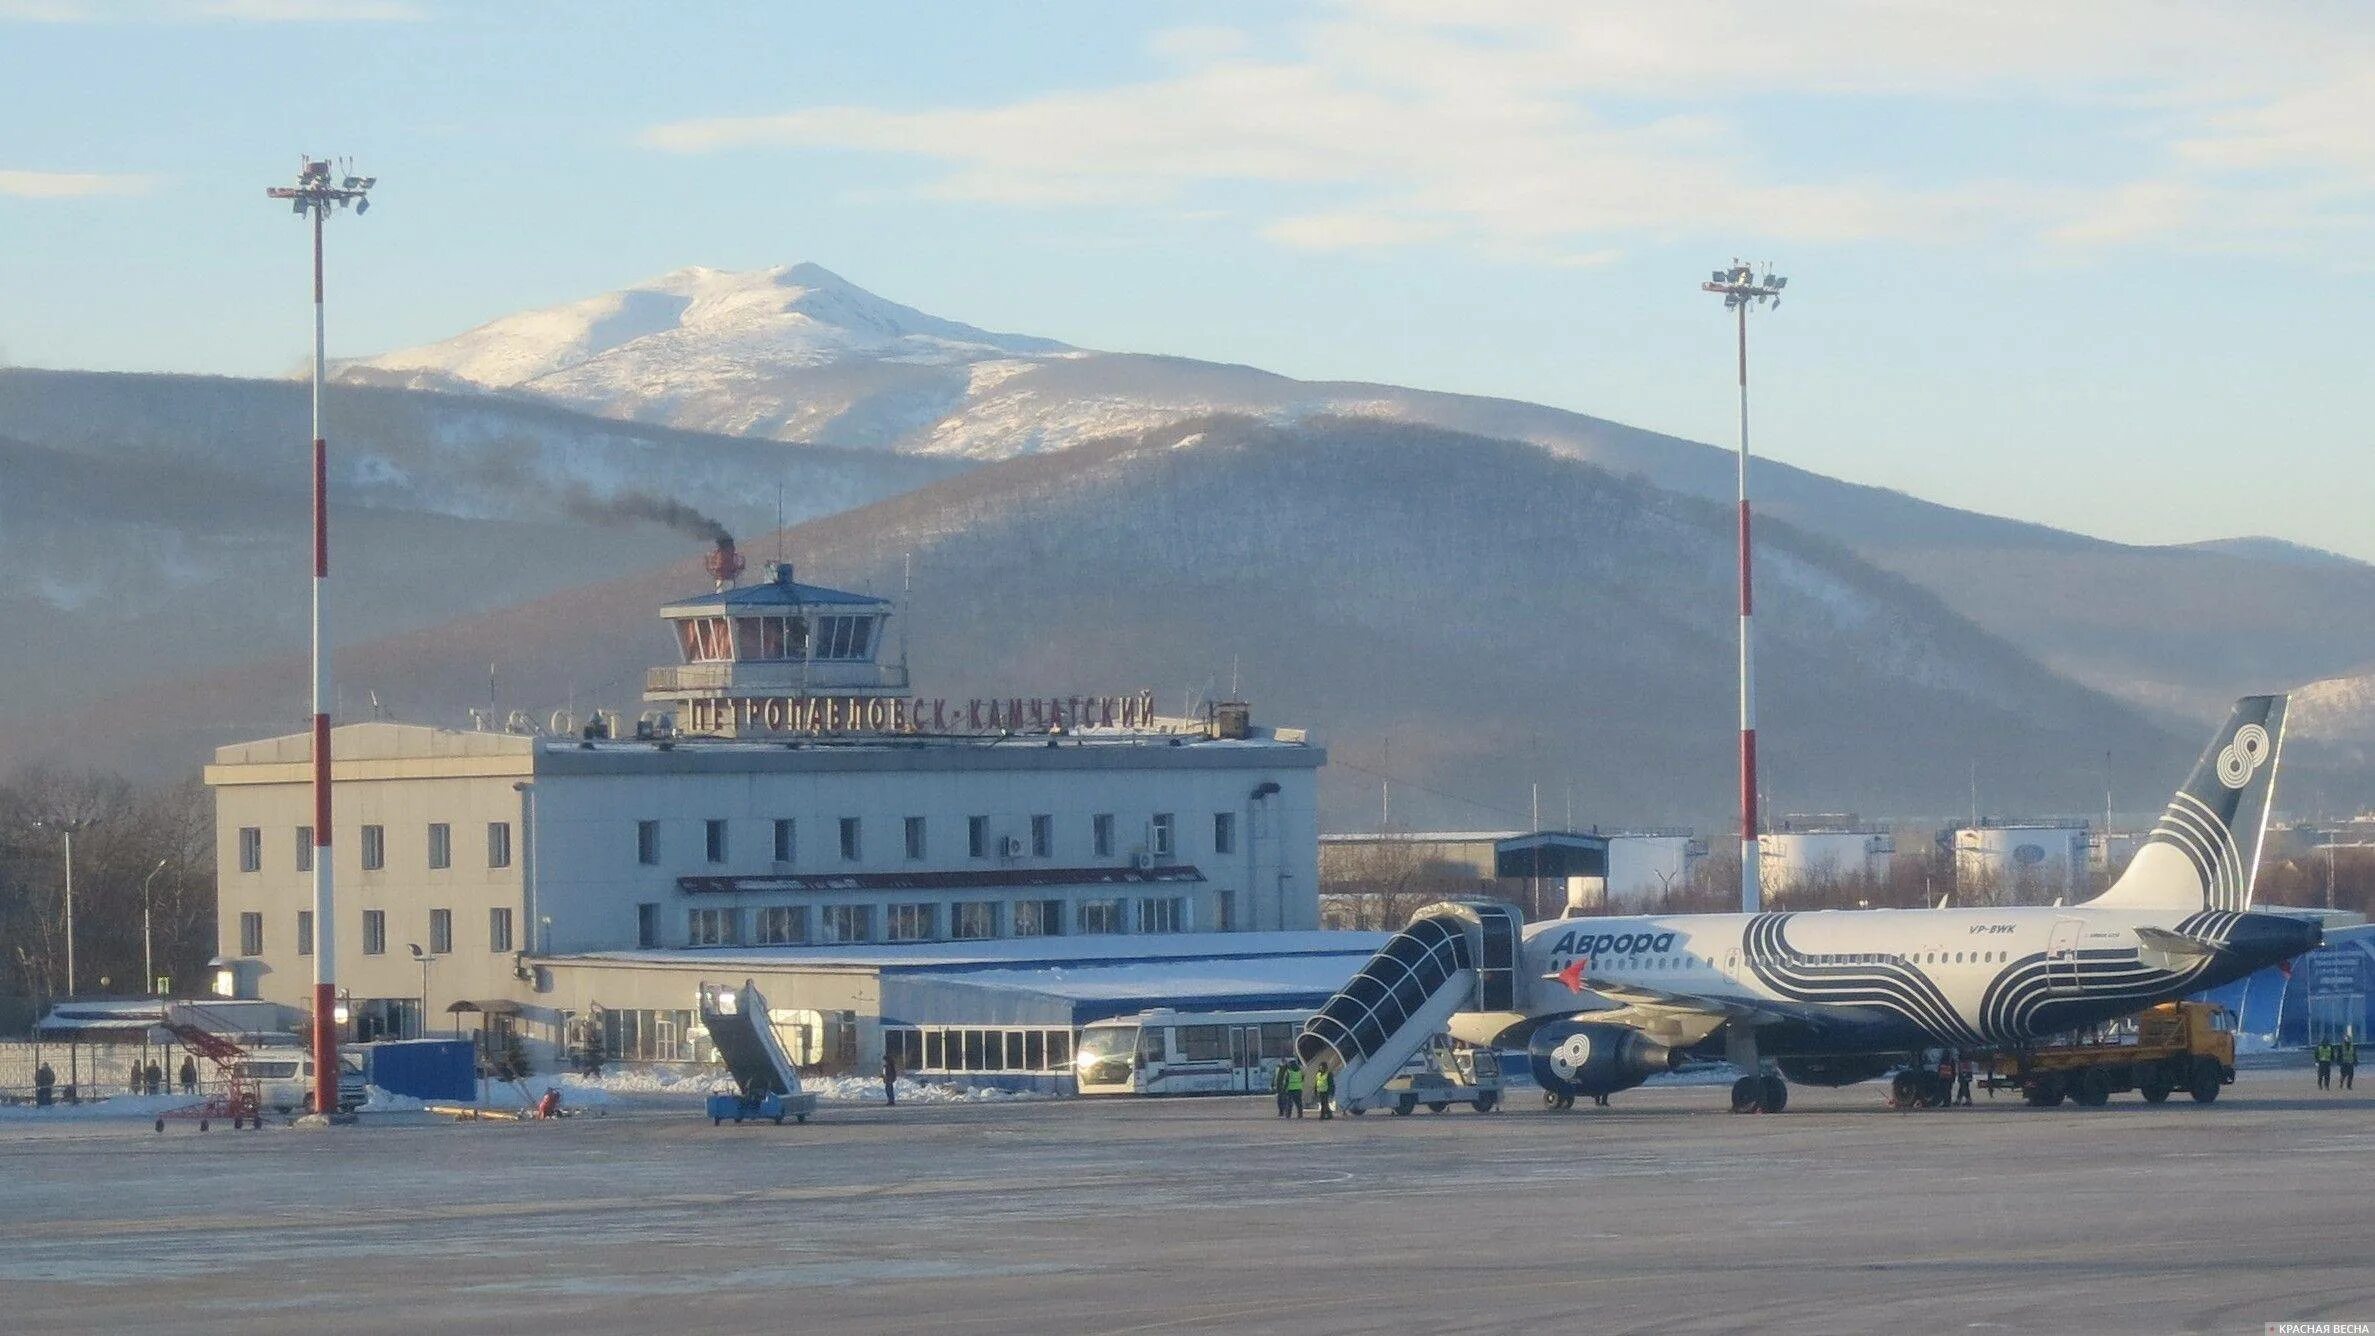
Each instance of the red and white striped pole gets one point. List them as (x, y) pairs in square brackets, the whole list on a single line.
[(1752, 894), (325, 936), (1743, 287), (316, 197)]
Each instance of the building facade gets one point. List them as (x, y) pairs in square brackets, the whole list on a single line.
[(506, 872)]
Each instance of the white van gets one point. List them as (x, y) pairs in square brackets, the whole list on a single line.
[(283, 1080)]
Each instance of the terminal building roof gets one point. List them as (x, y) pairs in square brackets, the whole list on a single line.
[(1007, 952)]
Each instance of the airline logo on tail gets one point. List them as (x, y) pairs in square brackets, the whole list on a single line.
[(2239, 759), (2204, 850)]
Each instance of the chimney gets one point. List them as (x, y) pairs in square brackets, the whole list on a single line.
[(724, 564)]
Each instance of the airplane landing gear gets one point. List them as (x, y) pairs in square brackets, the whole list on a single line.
[(1767, 1093)]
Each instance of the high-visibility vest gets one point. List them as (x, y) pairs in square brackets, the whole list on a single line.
[(1294, 1080), (2350, 1053), (1322, 1081), (2325, 1052)]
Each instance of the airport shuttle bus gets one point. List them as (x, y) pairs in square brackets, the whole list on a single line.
[(1186, 1052)]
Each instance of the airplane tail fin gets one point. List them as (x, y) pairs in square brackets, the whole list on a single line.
[(2205, 850)]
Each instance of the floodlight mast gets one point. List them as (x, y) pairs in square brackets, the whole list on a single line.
[(316, 195), (1742, 287)]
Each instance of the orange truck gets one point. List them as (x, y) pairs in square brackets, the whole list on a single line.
[(2188, 1046)]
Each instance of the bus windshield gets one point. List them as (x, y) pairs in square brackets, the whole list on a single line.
[(1107, 1041)]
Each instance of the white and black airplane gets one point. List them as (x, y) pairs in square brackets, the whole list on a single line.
[(1831, 997)]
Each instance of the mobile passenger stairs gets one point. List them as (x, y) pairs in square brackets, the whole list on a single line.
[(209, 1036), (1461, 955), (765, 1083)]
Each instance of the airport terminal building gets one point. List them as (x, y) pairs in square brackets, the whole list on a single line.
[(786, 811)]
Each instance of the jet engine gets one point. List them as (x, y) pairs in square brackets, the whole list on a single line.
[(1580, 1058), (1839, 1071)]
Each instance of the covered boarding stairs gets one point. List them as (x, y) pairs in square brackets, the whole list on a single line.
[(1457, 956)]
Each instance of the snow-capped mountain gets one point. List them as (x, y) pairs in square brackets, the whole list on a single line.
[(800, 354), (787, 353)]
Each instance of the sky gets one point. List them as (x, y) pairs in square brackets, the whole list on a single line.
[(2100, 266)]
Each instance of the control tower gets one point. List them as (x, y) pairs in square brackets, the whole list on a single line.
[(776, 657)]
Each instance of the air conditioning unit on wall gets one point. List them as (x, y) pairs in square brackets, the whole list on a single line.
[(1010, 846)]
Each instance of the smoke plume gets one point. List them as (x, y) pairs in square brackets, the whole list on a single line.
[(631, 507)]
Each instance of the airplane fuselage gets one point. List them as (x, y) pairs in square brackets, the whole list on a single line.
[(1868, 981)]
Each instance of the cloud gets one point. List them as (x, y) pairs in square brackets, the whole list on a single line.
[(1561, 127), (71, 185)]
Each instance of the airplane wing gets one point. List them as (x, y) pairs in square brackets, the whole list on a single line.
[(1630, 995)]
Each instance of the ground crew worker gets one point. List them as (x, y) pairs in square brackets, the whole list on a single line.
[(45, 1081), (890, 1077), (1962, 1080), (189, 1075), (154, 1079), (2349, 1057), (1294, 1087), (1946, 1078), (1323, 1089), (2325, 1065), (1278, 1079)]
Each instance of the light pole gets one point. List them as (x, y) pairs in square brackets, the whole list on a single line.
[(426, 960), (68, 829), (316, 196), (1744, 286), (148, 954)]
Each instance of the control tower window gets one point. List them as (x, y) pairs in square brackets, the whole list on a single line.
[(844, 637)]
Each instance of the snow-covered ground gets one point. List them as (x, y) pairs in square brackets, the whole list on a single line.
[(113, 1106)]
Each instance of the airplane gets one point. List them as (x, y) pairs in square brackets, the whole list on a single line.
[(1830, 997)]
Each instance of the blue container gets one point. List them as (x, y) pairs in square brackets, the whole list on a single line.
[(424, 1068)]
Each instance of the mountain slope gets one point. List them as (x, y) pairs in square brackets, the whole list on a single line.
[(1503, 616), (156, 526), (2176, 630)]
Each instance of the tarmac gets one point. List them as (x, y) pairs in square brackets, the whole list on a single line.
[(1660, 1214)]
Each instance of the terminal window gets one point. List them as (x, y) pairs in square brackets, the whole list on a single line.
[(782, 925), (934, 1048), (375, 932), (498, 930), (1101, 834), (713, 927), (441, 931), (251, 848), (915, 837), (850, 844), (647, 843), (305, 848), (713, 836), (977, 837), (251, 934), (1158, 836), (305, 932), (1039, 918), (498, 844), (647, 925), (375, 848), (787, 840), (1043, 836), (441, 844), (1224, 832), (1160, 914), (1100, 916), (910, 923), (973, 920), (847, 923)]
